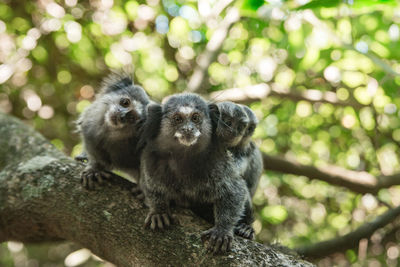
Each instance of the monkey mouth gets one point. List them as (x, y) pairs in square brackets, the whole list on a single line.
[(118, 119), (186, 140), (229, 139), (234, 141)]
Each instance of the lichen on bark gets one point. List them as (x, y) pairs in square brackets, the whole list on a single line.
[(41, 199)]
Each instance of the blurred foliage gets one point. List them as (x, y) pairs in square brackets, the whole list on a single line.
[(53, 56)]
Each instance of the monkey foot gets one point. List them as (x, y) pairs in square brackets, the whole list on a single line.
[(219, 240), (90, 177), (244, 230), (158, 220)]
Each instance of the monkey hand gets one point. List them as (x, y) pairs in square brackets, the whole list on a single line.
[(158, 220), (91, 175), (219, 240)]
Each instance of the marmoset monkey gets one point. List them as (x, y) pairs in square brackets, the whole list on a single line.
[(182, 162), (110, 129), (235, 125)]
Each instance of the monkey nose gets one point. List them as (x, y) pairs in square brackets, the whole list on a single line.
[(188, 130)]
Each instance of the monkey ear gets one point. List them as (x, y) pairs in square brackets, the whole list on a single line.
[(151, 126), (213, 108), (116, 81), (214, 112), (214, 115)]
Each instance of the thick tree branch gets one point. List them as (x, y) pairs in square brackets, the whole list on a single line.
[(350, 240), (260, 91), (41, 199), (360, 182)]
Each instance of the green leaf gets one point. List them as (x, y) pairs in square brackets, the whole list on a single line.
[(252, 5), (320, 3), (356, 3)]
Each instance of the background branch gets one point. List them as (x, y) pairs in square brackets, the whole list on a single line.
[(351, 239), (258, 92), (360, 182)]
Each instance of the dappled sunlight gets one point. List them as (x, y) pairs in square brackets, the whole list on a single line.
[(323, 79)]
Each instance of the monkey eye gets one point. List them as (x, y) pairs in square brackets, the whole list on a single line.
[(196, 117), (228, 122), (240, 127), (177, 118), (125, 102), (250, 129)]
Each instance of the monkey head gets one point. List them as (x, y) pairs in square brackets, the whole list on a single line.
[(230, 122), (185, 123), (125, 103), (251, 126)]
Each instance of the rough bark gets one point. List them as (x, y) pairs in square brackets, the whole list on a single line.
[(41, 199)]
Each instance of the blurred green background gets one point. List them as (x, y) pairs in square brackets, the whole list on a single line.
[(330, 68)]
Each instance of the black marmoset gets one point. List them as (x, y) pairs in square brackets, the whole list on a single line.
[(110, 129), (248, 150), (234, 126), (184, 162)]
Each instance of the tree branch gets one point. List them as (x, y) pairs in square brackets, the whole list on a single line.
[(41, 199), (260, 91), (350, 240), (360, 182)]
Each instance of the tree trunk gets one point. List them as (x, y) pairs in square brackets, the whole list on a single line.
[(41, 199)]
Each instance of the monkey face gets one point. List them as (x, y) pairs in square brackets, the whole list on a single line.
[(253, 121), (186, 122), (122, 110), (232, 123), (248, 133)]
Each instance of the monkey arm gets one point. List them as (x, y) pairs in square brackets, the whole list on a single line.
[(244, 226), (228, 208)]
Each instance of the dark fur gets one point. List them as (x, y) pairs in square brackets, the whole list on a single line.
[(110, 131), (200, 173), (235, 125)]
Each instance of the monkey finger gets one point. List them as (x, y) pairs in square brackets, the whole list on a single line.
[(153, 222), (160, 224), (166, 219), (250, 233), (140, 196), (84, 182), (213, 240), (136, 191), (106, 174), (218, 244), (99, 178), (226, 245), (147, 220), (90, 182), (205, 236)]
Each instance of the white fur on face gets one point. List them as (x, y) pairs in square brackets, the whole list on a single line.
[(107, 118), (186, 110), (185, 142), (138, 107)]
